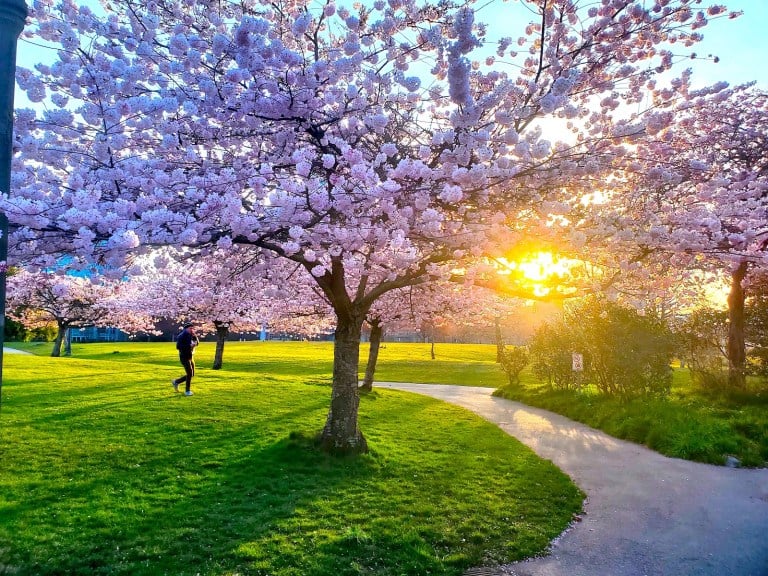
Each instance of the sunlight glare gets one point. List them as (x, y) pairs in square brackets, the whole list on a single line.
[(543, 271)]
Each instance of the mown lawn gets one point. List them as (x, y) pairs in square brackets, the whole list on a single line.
[(105, 470), (464, 364), (689, 424)]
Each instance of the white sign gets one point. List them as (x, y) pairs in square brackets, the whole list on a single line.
[(577, 362)]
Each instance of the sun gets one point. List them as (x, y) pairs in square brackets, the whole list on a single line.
[(542, 267), (541, 272)]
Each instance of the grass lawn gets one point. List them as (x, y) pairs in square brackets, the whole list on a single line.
[(464, 364), (105, 470), (689, 424)]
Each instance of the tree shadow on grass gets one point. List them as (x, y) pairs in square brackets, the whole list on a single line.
[(236, 515), (159, 486)]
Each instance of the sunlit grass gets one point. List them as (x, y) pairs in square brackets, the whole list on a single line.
[(688, 424), (105, 470), (463, 364)]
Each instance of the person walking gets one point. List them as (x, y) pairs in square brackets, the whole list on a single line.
[(185, 344)]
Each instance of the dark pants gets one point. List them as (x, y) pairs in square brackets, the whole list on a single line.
[(189, 371)]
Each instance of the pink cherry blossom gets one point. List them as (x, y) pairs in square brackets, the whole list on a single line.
[(203, 126)]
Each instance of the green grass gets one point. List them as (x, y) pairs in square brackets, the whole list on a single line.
[(689, 424), (463, 364), (106, 471)]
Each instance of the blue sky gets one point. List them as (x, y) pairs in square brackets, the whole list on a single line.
[(741, 44)]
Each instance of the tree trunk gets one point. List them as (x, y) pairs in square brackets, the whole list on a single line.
[(68, 342), (432, 347), (222, 333), (373, 354), (737, 350), (499, 341), (341, 434), (57, 342)]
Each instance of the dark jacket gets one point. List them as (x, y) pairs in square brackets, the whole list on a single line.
[(185, 344)]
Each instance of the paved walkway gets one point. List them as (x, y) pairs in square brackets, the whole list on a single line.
[(645, 514), (15, 351)]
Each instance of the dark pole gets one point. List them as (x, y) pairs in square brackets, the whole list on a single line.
[(13, 13)]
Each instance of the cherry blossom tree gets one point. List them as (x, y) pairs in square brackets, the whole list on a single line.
[(361, 143), (727, 143), (695, 194), (38, 298), (228, 292)]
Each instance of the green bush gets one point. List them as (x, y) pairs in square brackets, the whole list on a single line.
[(757, 327), (551, 352), (703, 336), (513, 360), (625, 353)]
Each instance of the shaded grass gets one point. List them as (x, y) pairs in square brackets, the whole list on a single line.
[(689, 424), (107, 471)]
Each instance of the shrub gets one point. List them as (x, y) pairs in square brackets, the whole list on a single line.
[(513, 359), (757, 326), (551, 350), (703, 336), (625, 353)]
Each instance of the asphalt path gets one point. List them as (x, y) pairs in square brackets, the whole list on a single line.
[(645, 514)]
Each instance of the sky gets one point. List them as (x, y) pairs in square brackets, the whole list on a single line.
[(740, 44)]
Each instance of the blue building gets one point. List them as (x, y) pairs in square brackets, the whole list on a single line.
[(97, 334)]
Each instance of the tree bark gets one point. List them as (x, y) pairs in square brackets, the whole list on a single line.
[(432, 347), (56, 352), (499, 341), (341, 434), (737, 349), (373, 354), (222, 333), (68, 342)]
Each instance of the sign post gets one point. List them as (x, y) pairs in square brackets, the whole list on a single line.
[(577, 365)]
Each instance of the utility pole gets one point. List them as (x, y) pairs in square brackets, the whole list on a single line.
[(13, 14)]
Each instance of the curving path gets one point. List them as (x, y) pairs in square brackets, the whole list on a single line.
[(645, 514)]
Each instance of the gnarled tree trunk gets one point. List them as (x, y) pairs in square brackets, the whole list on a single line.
[(737, 349), (222, 333), (373, 354), (341, 434)]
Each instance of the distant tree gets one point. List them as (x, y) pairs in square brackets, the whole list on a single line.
[(225, 292), (36, 299), (427, 307)]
